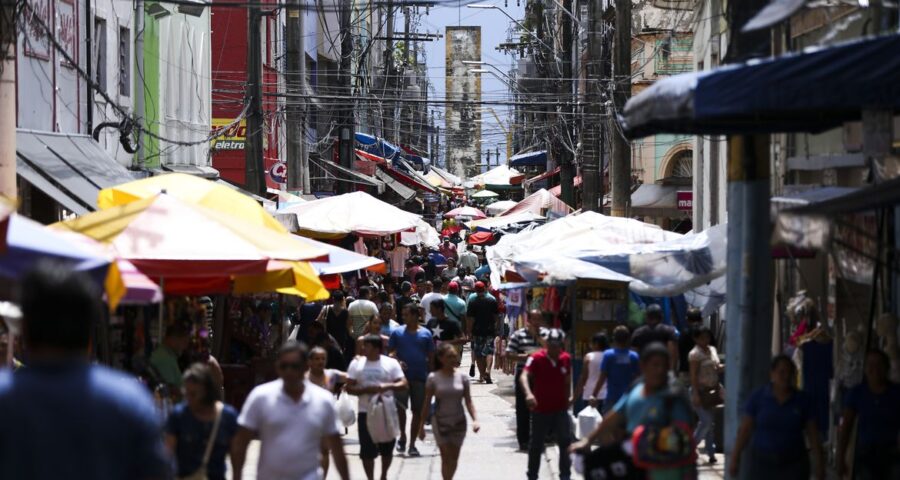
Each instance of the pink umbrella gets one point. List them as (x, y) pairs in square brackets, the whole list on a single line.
[(470, 212)]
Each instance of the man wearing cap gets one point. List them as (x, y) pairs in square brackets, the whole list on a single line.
[(455, 306), (654, 331), (482, 326), (547, 383), (406, 296), (448, 249)]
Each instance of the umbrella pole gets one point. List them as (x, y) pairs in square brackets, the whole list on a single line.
[(162, 306)]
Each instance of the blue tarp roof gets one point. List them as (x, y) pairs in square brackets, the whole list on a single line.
[(538, 158), (812, 91)]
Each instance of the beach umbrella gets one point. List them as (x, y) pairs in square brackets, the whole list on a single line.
[(470, 212), (485, 194)]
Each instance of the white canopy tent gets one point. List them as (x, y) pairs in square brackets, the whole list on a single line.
[(356, 212)]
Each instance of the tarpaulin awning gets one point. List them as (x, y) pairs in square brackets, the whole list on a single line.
[(541, 202), (543, 176), (343, 173), (812, 91), (557, 190), (400, 189), (425, 235), (449, 177), (69, 168), (500, 177), (409, 176), (529, 159), (656, 200), (356, 212), (499, 207), (480, 238), (370, 157), (341, 260), (504, 220)]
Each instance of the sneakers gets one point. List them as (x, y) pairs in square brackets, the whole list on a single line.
[(413, 452), (472, 371), (401, 446)]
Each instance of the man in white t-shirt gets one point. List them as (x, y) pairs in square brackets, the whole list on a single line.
[(292, 418), (432, 294), (467, 259), (367, 375), (361, 311)]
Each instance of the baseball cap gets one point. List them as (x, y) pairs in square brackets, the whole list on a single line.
[(453, 287), (554, 335), (479, 286)]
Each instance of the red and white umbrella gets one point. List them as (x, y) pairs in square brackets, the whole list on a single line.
[(470, 212)]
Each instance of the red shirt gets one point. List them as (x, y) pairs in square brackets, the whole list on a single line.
[(549, 381)]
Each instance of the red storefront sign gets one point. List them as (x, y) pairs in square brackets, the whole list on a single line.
[(685, 200)]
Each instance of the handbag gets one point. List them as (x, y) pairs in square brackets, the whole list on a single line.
[(666, 443), (711, 397), (381, 419), (200, 473)]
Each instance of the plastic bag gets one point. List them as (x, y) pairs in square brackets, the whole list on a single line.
[(588, 418), (345, 412), (381, 420)]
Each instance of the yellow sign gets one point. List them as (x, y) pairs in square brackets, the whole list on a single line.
[(234, 136)]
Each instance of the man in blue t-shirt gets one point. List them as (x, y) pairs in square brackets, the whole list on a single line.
[(875, 406), (619, 367), (61, 416), (413, 346)]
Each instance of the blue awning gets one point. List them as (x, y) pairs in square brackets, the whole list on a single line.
[(365, 139), (812, 91), (530, 159), (376, 146)]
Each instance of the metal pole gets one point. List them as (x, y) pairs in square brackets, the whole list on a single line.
[(139, 109), (253, 164), (346, 132), (590, 131), (8, 34), (565, 157), (620, 164), (388, 75), (302, 133), (293, 59)]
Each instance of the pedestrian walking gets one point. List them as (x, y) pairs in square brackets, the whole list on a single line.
[(873, 407), (406, 297), (483, 324), (686, 343), (468, 259), (449, 273), (431, 294), (522, 343), (706, 391), (654, 331), (774, 422), (338, 323), (374, 327), (292, 418), (388, 323), (361, 311), (374, 373), (330, 379), (450, 390), (619, 366), (318, 337), (590, 374), (443, 329), (546, 383), (657, 404), (200, 429), (448, 250), (62, 416), (164, 360), (413, 346)]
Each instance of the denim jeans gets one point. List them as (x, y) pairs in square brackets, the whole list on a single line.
[(523, 415), (541, 426), (705, 429)]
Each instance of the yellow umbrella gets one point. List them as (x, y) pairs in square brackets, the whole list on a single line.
[(290, 278), (194, 190)]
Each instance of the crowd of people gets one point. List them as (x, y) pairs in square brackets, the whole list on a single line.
[(396, 345)]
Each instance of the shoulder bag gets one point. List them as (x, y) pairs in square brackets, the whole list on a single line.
[(200, 473)]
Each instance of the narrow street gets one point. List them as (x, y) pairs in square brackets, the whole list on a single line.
[(489, 454)]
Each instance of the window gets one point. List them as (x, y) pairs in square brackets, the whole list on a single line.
[(100, 52), (124, 61)]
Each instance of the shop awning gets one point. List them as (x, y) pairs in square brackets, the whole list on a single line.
[(400, 189), (343, 173), (543, 176), (655, 200), (882, 195), (407, 175), (557, 190), (70, 168), (529, 159), (812, 91), (196, 170)]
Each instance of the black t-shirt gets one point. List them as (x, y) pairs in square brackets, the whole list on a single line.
[(646, 335), (483, 310), (685, 345), (445, 330)]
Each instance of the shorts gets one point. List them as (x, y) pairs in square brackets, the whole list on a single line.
[(483, 346), (416, 392), (369, 450)]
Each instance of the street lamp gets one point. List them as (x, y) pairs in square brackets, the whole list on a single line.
[(486, 64), (494, 7)]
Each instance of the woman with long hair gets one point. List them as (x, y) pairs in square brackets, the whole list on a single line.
[(373, 327), (199, 429), (450, 390), (328, 378), (775, 420)]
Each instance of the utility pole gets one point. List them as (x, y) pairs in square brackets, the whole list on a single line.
[(748, 327), (565, 158), (254, 181), (620, 161), (590, 130), (388, 115), (139, 109), (296, 115), (346, 132), (8, 34)]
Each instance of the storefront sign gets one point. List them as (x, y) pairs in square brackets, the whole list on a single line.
[(37, 19), (67, 28), (234, 136), (278, 172), (685, 200)]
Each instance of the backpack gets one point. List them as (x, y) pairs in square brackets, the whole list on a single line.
[(664, 443)]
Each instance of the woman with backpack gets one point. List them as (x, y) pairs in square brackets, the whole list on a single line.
[(778, 423), (655, 407)]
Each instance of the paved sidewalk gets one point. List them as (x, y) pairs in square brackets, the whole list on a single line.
[(489, 454)]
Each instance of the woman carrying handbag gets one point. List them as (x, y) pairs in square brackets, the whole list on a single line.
[(199, 430)]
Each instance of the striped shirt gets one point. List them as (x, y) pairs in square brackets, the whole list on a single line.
[(522, 342)]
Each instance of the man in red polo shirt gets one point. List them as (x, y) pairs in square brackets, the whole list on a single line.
[(547, 384)]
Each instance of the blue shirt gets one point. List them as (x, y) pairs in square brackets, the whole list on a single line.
[(413, 349), (435, 259), (482, 271), (621, 367), (192, 436), (640, 409), (78, 421), (778, 428), (878, 416), (455, 308)]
